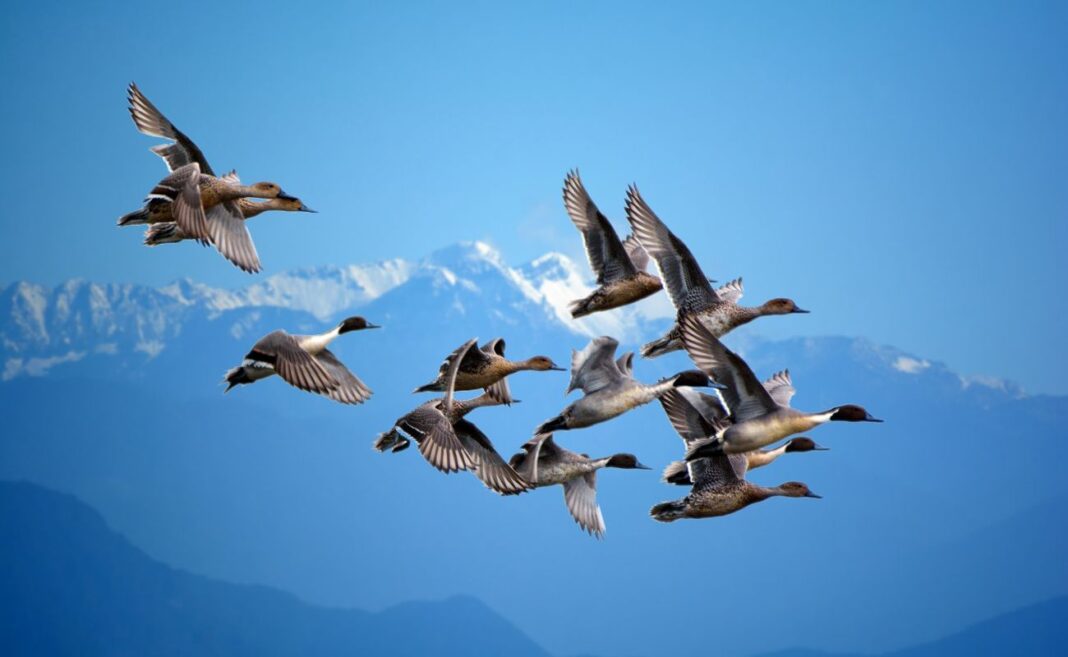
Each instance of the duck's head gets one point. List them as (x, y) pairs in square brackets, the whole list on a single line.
[(803, 444), (797, 489), (626, 462), (852, 413), (543, 363), (291, 204), (271, 190), (355, 324), (782, 307), (694, 379)]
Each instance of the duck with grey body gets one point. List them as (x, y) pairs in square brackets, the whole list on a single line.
[(487, 368), (544, 463), (608, 391), (303, 361), (449, 442), (619, 266), (756, 419), (204, 206), (696, 417), (686, 284)]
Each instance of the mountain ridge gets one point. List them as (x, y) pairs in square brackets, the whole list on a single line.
[(75, 586), (43, 328)]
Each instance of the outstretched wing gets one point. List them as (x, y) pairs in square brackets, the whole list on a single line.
[(746, 398), (489, 467), (594, 367), (151, 121), (351, 390), (639, 257), (498, 391), (686, 284), (226, 225), (780, 387), (608, 258), (694, 416), (731, 291), (580, 495), (297, 367), (451, 367), (437, 441)]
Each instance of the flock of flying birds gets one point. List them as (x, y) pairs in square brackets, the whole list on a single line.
[(726, 431)]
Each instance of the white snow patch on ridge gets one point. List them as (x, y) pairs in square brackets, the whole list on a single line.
[(910, 365)]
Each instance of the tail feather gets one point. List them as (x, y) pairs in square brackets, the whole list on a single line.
[(662, 345), (704, 448), (668, 511), (676, 473), (166, 232), (579, 308), (236, 376), (558, 423), (134, 218), (391, 440)]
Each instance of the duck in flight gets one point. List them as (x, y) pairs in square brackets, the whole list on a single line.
[(205, 206), (303, 361), (449, 442), (168, 232), (619, 266), (686, 284), (607, 390), (756, 418), (486, 368), (696, 416), (544, 463), (720, 488)]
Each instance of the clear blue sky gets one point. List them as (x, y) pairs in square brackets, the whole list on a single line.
[(899, 168)]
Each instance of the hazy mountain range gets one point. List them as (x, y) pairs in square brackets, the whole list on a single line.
[(946, 515), (72, 586)]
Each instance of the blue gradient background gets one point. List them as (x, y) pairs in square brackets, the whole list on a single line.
[(909, 157), (898, 168)]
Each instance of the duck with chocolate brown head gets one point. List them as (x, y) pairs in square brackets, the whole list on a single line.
[(760, 413), (543, 462)]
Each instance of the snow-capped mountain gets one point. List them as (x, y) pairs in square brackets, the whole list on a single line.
[(128, 325), (42, 327)]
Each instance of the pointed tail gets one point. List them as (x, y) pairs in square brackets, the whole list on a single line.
[(236, 376), (662, 345), (134, 218), (558, 423), (676, 473), (579, 308), (166, 232), (668, 511)]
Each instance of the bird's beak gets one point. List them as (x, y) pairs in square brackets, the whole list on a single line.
[(557, 369), (641, 466), (717, 386), (304, 208), (800, 310), (811, 494), (869, 418), (821, 448), (371, 326), (286, 197)]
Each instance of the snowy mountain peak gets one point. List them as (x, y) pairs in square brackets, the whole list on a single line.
[(42, 328)]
